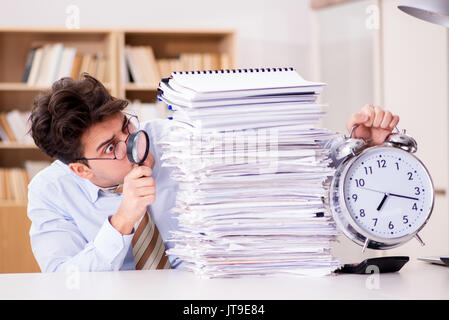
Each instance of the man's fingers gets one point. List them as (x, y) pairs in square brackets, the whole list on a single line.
[(356, 118), (388, 117), (149, 199), (145, 192), (394, 122), (145, 182), (379, 115), (368, 109), (140, 171)]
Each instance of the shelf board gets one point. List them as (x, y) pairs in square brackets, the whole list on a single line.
[(17, 145), (13, 203), (20, 86), (181, 31), (40, 30), (137, 87)]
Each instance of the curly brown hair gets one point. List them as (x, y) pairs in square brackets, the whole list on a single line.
[(61, 115)]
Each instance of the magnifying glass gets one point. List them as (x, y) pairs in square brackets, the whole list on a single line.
[(138, 147)]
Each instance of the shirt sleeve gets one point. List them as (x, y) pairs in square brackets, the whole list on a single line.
[(58, 245)]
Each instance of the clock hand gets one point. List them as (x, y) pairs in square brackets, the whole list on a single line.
[(382, 202), (373, 190), (401, 196), (391, 194)]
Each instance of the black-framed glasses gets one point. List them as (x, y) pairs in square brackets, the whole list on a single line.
[(118, 149)]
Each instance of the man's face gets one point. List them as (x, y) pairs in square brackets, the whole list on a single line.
[(99, 142)]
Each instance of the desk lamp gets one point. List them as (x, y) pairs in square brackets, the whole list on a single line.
[(435, 11)]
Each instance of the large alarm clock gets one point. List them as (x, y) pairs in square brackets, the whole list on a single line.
[(380, 196)]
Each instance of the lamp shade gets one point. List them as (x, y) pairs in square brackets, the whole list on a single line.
[(435, 11)]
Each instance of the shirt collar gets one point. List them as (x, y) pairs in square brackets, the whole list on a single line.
[(90, 189)]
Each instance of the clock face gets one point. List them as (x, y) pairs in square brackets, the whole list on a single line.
[(388, 192)]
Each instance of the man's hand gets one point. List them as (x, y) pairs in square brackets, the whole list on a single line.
[(139, 191), (374, 123)]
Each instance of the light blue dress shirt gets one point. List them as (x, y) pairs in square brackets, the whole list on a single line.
[(70, 217)]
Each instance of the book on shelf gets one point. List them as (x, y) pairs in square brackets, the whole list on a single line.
[(76, 66), (142, 65), (204, 61), (14, 181), (14, 127), (29, 64), (143, 69), (167, 66), (50, 62), (32, 167)]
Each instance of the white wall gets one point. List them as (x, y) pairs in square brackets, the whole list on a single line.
[(346, 58), (415, 55), (269, 32)]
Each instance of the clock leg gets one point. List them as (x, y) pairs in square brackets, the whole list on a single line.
[(365, 245), (419, 239)]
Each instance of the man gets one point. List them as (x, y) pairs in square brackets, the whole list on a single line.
[(92, 209)]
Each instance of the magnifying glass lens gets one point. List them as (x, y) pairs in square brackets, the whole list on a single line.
[(137, 148)]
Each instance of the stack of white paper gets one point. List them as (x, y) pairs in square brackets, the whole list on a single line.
[(251, 167)]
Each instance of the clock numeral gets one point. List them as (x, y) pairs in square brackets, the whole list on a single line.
[(359, 182), (390, 225), (405, 219), (354, 196), (397, 165), (418, 192), (368, 170), (410, 175), (415, 207), (375, 221), (382, 163), (362, 213)]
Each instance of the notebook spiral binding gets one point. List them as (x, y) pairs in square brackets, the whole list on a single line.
[(235, 70)]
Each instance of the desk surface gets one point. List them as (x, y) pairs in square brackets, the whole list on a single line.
[(417, 280)]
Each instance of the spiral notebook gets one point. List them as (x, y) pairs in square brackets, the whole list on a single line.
[(236, 83)]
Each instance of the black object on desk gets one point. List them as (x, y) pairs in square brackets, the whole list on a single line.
[(383, 264), (443, 261)]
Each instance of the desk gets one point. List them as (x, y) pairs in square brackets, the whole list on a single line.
[(417, 280)]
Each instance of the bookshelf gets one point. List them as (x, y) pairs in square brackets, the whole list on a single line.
[(171, 44), (110, 43)]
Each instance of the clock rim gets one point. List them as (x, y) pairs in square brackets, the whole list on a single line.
[(385, 243)]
